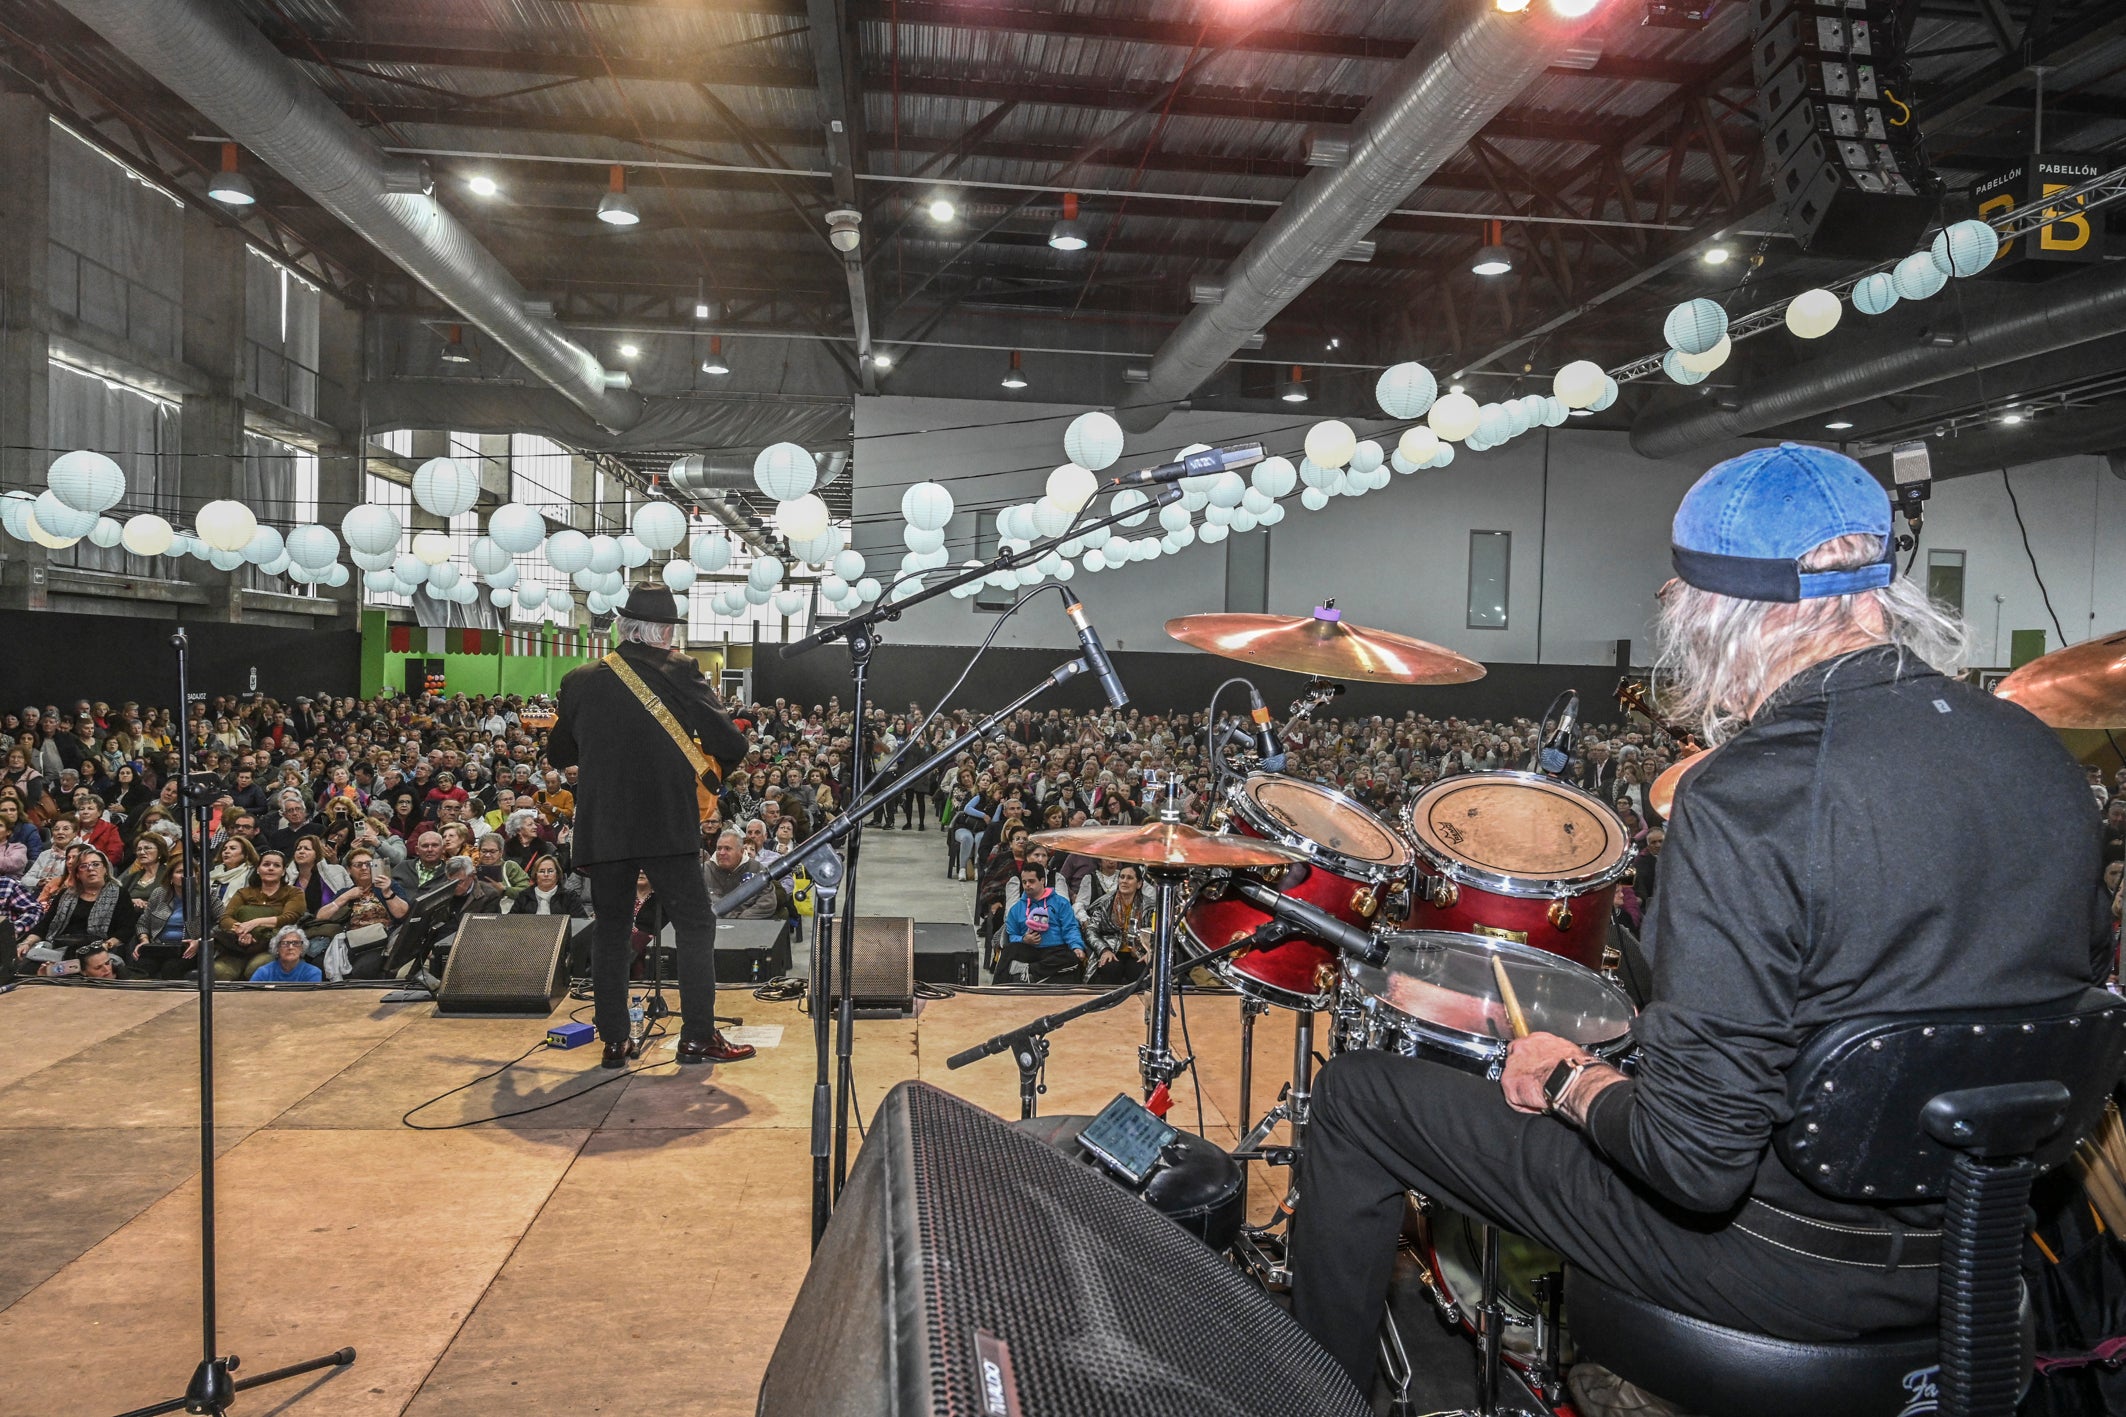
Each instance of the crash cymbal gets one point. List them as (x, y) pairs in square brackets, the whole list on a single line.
[(2081, 686), (1164, 843), (1325, 645)]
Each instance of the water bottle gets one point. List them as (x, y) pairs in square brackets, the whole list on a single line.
[(635, 1020)]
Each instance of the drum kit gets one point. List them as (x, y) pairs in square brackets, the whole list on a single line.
[(1422, 937)]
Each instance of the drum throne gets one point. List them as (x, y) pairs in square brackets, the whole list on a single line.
[(1967, 1109)]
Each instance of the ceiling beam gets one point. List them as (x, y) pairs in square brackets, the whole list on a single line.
[(841, 113)]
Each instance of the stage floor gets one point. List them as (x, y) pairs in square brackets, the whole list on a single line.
[(633, 1249)]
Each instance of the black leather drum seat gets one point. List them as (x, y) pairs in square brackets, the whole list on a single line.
[(1198, 1188)]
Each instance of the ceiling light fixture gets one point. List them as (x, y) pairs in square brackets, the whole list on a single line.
[(842, 232), (481, 185), (616, 207), (1716, 255), (1839, 425), (881, 360), (2011, 418), (941, 210), (228, 186), (1493, 259), (1065, 235), (629, 351), (454, 351), (1014, 377), (702, 311), (714, 364), (1295, 388)]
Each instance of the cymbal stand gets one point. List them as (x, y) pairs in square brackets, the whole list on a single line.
[(1262, 1250), (1155, 1060)]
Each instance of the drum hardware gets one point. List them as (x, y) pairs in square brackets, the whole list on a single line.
[(1261, 1249), (1445, 894), (1365, 902), (1560, 913)]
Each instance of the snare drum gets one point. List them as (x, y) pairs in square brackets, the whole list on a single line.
[(1520, 856), (1355, 863), (1436, 997)]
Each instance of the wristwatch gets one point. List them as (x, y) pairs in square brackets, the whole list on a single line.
[(1561, 1080)]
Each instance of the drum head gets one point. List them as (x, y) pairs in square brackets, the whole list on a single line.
[(1521, 831), (1326, 818), (1441, 984)]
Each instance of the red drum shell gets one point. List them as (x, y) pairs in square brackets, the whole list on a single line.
[(1476, 911)]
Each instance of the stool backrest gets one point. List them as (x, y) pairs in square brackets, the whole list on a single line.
[(1860, 1090)]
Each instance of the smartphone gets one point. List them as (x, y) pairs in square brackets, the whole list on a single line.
[(66, 966)]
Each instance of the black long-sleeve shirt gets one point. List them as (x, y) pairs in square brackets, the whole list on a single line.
[(1879, 840)]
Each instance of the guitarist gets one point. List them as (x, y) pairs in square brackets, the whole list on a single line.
[(638, 809)]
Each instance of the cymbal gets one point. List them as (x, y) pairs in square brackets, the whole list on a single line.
[(2081, 686), (1324, 645), (1165, 844)]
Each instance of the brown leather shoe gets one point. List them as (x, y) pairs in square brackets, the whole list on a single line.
[(616, 1055), (713, 1049)]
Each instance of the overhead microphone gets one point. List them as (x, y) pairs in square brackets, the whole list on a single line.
[(1553, 755), (1363, 945), (1269, 747), (1209, 461), (1096, 655)]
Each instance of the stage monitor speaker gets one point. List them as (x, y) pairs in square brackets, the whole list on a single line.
[(883, 975), (971, 1271), (506, 964)]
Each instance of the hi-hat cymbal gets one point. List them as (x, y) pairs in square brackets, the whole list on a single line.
[(1162, 843), (1325, 646), (2081, 686)]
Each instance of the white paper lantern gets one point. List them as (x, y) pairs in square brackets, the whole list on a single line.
[(1494, 424), (385, 583), (785, 472), (446, 487), (107, 533), (1417, 445), (147, 535), (1173, 517), (500, 598), (408, 568), (1129, 499), (1215, 515), (765, 573), (1673, 366), (1093, 441), (660, 526), (223, 525), (930, 560), (265, 544), (789, 603), (1454, 416), (430, 548), (1228, 488), (486, 556), (926, 505), (1917, 277), (560, 601), (17, 511), (1273, 516), (1578, 384), (801, 518), (1050, 520), (86, 481), (1098, 536), (1254, 503), (1071, 486), (1405, 390), (710, 552), (1966, 248), (59, 521), (1610, 391), (606, 554), (1367, 456), (1211, 534), (1275, 477), (504, 579), (867, 590), (516, 528), (1709, 361), (1094, 561), (834, 588), (597, 604), (915, 539), (1444, 456), (1065, 571), (613, 586), (1179, 540), (1875, 294), (849, 565), (1814, 313), (1554, 413), (1695, 326), (371, 529), (443, 576), (530, 597), (678, 576), (1330, 443), (335, 575), (568, 551)]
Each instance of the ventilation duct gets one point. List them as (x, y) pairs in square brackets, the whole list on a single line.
[(1432, 105), (209, 55), (2069, 311)]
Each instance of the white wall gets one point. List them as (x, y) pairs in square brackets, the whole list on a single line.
[(1589, 519)]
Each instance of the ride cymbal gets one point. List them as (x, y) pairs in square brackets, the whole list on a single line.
[(1164, 843), (2081, 686), (1325, 646)]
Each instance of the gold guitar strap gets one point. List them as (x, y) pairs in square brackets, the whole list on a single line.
[(704, 766)]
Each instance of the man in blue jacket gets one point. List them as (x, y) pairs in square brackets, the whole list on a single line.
[(1040, 930)]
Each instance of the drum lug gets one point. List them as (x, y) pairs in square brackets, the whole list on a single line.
[(1445, 893), (1365, 902), (1561, 913)]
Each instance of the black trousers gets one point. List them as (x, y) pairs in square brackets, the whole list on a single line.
[(684, 897), (1041, 964), (1381, 1125)]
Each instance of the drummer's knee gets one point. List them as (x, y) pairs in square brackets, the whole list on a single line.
[(1348, 1087)]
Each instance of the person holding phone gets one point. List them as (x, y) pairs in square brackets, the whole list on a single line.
[(1041, 931)]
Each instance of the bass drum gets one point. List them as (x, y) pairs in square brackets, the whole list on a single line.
[(1355, 863), (1452, 1244), (1519, 856)]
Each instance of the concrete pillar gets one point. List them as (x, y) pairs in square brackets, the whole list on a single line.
[(25, 373), (211, 422), (340, 461)]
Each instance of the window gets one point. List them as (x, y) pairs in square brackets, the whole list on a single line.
[(398, 442), (399, 498), (1945, 579), (1490, 558)]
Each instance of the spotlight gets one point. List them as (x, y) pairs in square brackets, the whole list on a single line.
[(1839, 425), (1014, 377), (481, 185), (714, 364), (229, 186), (616, 207), (1295, 388), (842, 231), (942, 211), (1493, 259), (1716, 255), (1065, 235)]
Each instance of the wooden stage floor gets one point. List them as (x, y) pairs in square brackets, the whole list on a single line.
[(634, 1249)]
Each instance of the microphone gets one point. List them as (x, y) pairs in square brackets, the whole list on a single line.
[(1208, 462), (1365, 945), (1268, 746), (1553, 755), (1096, 655)]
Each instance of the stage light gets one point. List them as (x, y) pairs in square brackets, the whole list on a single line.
[(481, 185), (616, 207), (228, 186), (2012, 418), (1509, 7), (881, 360), (1572, 9)]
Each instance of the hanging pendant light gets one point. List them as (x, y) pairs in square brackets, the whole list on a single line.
[(228, 186), (454, 351), (1494, 259), (714, 364), (1065, 235), (1015, 377), (616, 207), (1295, 388)]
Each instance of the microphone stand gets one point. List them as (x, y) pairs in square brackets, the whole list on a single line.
[(211, 1389)]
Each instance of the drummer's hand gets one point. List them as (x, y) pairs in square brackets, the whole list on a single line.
[(1529, 1063)]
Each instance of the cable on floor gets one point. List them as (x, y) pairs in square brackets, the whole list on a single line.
[(407, 1118)]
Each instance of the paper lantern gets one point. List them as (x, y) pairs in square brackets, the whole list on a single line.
[(530, 597), (1368, 456), (431, 548), (225, 560), (1275, 477), (1966, 248), (1478, 444), (86, 481), (1519, 418), (1094, 561), (1554, 413), (1444, 456), (1183, 539), (500, 599), (1695, 326), (48, 541), (1405, 390), (613, 585), (385, 583), (1330, 443), (765, 573), (926, 505), (568, 551), (1578, 384), (107, 532), (1098, 536), (1453, 416), (443, 576), (56, 519), (1050, 520), (789, 603), (1814, 313), (660, 526), (1093, 441), (930, 560), (1255, 502), (503, 579), (446, 487), (1417, 445), (1071, 486), (486, 556), (1215, 515), (867, 590), (1875, 294), (17, 511), (147, 535), (409, 569), (606, 554), (1609, 397), (1707, 362), (710, 552), (1211, 535), (336, 576), (371, 529), (1313, 499), (1129, 499), (849, 565), (678, 576), (516, 528), (1494, 424), (633, 553), (1173, 517), (1065, 571), (1313, 474), (801, 518), (1917, 277), (1228, 489), (1673, 366), (560, 601), (265, 544), (224, 525), (597, 604), (785, 472)]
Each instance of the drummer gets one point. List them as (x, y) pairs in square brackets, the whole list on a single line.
[(1843, 854)]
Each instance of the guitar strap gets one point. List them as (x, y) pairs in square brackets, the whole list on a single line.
[(704, 766)]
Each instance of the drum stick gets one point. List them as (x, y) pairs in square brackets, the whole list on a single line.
[(1512, 1000)]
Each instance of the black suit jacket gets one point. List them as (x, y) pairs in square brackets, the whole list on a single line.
[(635, 790)]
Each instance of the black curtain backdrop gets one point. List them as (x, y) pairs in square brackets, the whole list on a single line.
[(1162, 682), (49, 658)]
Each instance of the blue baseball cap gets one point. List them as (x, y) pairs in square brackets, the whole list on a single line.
[(1744, 526)]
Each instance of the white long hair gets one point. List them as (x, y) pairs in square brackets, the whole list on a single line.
[(1718, 657), (646, 632)]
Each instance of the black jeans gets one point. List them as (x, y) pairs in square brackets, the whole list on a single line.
[(1055, 961), (1381, 1125), (684, 897)]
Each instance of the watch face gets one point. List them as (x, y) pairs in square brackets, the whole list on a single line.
[(1560, 1078)]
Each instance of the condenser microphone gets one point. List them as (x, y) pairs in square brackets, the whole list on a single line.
[(1096, 655), (1360, 944), (1209, 462), (1269, 747)]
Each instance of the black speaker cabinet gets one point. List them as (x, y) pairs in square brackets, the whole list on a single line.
[(971, 1271), (506, 964), (883, 977)]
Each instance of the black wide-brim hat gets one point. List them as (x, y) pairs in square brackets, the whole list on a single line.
[(652, 602)]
